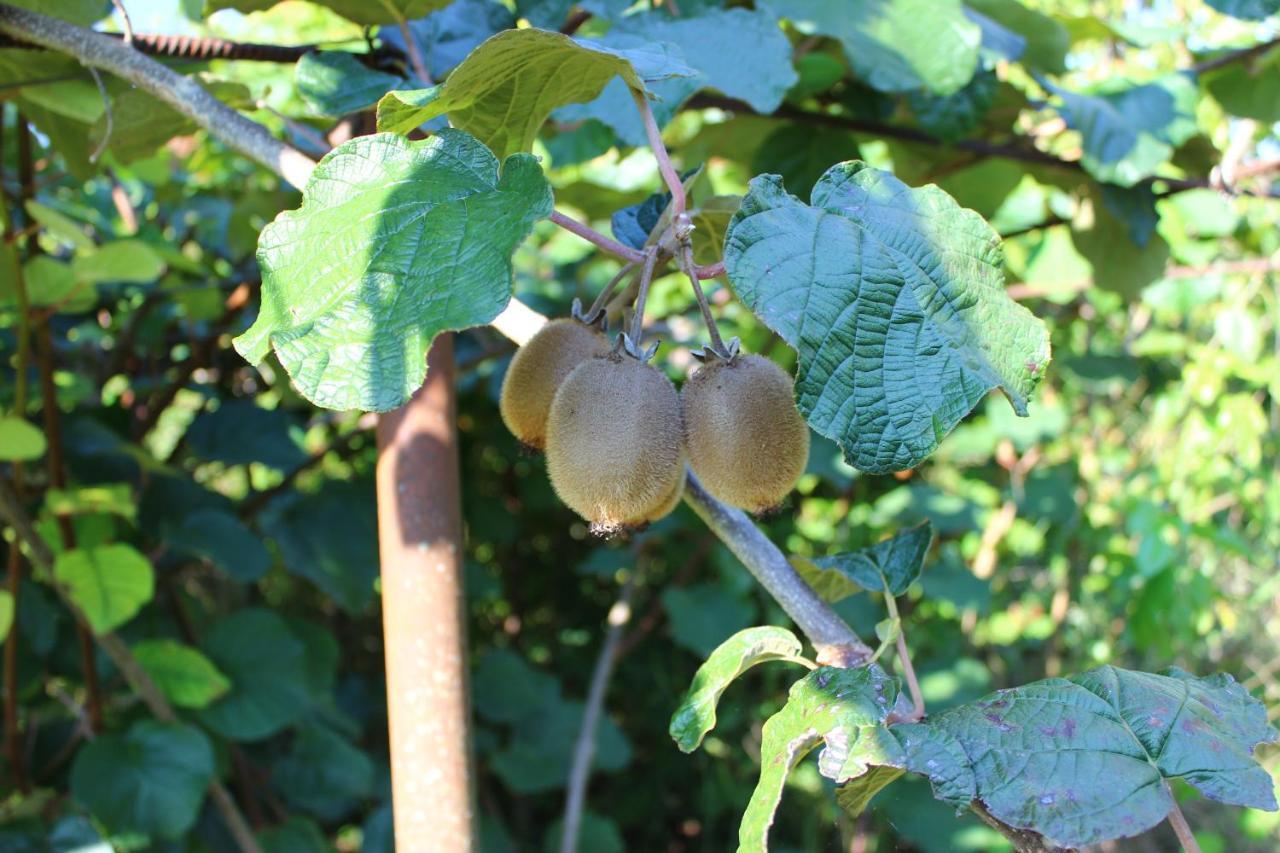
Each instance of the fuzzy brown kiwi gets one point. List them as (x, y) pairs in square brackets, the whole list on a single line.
[(746, 440), (536, 371), (614, 442)]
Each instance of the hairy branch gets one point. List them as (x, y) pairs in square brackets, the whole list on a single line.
[(182, 93)]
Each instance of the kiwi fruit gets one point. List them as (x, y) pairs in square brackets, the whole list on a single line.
[(746, 440), (614, 443), (536, 371), (669, 504)]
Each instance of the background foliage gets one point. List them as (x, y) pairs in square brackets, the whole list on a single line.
[(226, 528)]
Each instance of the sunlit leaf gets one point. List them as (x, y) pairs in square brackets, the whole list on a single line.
[(185, 676), (696, 714), (894, 298), (395, 242), (109, 583)]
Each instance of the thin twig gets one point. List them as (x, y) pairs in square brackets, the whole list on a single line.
[(415, 54), (125, 23), (585, 747), (106, 112), (909, 673), (597, 306), (586, 232), (118, 651), (1181, 828), (1234, 56), (665, 168), (708, 319), (646, 278)]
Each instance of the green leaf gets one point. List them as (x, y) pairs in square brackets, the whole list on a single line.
[(112, 498), (713, 43), (505, 89), (1047, 40), (1249, 10), (82, 12), (6, 613), (239, 432), (1130, 132), (142, 123), (704, 615), (129, 261), (20, 440), (895, 45), (1089, 758), (696, 714), (890, 566), (150, 779), (222, 539), (323, 774), (395, 242), (846, 711), (109, 583), (296, 835), (537, 758), (183, 674), (952, 117), (330, 537), (506, 687), (52, 284), (59, 226), (335, 82), (1248, 89), (1119, 264), (266, 664), (894, 299), (801, 155)]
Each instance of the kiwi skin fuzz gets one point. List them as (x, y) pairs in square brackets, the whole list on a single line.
[(745, 437), (536, 371), (615, 443)]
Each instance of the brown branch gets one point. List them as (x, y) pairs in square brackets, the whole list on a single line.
[(118, 651), (1234, 56)]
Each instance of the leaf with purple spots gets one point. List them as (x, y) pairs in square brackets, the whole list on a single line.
[(1089, 758)]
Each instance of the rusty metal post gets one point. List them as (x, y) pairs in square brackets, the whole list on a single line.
[(423, 616)]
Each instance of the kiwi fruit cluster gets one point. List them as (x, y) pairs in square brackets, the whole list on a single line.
[(617, 434)]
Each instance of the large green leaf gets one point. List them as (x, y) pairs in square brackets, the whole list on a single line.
[(505, 89), (1128, 133), (1088, 759), (395, 242), (894, 299), (109, 583), (330, 537), (83, 12), (845, 710), (222, 539), (889, 567), (696, 714), (895, 45), (149, 779), (239, 432), (1250, 10), (335, 82), (266, 664), (324, 774), (183, 674), (6, 613)]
